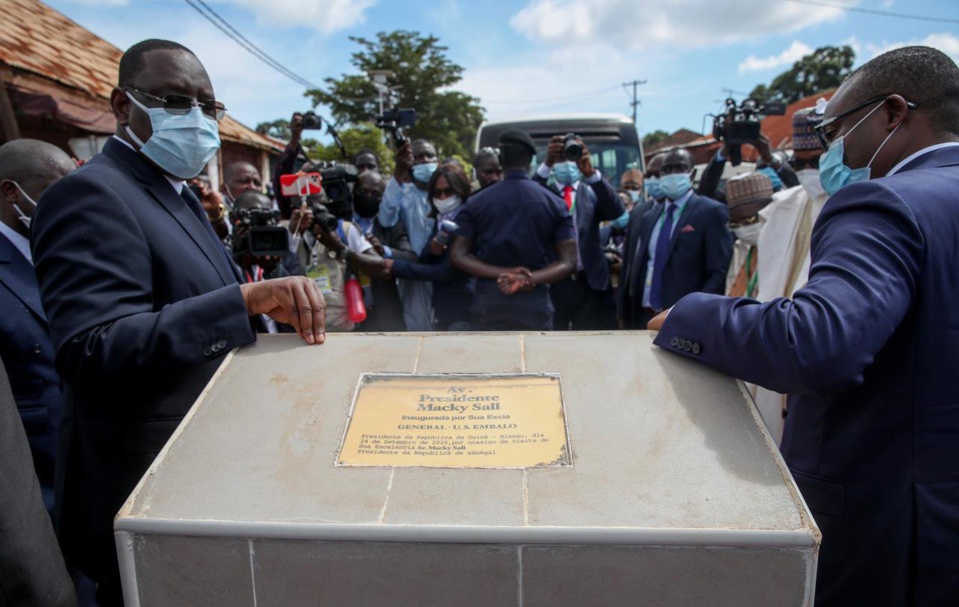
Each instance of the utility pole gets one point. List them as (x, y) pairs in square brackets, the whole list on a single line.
[(634, 102)]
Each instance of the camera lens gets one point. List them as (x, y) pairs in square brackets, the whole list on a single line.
[(572, 150)]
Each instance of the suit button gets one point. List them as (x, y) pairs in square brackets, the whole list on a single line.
[(674, 341), (207, 352), (687, 346), (36, 348), (696, 348), (221, 343)]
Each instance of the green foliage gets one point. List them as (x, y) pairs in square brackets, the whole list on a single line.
[(279, 129), (654, 138), (423, 72), (822, 70), (355, 138)]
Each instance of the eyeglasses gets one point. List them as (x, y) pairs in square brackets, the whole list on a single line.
[(178, 105), (821, 127), (443, 193), (799, 164)]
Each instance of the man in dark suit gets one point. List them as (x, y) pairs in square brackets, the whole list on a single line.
[(386, 313), (32, 571), (142, 299), (580, 301), (868, 348), (27, 168), (679, 246)]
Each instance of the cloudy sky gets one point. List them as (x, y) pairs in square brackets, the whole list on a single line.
[(523, 57)]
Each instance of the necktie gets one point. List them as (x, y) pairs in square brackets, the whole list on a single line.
[(568, 197), (193, 203), (659, 263)]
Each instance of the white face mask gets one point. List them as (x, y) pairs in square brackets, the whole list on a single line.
[(749, 233), (809, 180), (447, 204)]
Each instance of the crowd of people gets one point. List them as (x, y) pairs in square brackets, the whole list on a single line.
[(128, 282)]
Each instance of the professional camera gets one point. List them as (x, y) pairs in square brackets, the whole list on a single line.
[(323, 218), (255, 233), (742, 124), (312, 121), (394, 121), (336, 185), (572, 149)]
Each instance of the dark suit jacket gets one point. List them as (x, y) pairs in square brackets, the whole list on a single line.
[(699, 254), (27, 353), (387, 312), (143, 303), (868, 349), (31, 566), (452, 289), (595, 204)]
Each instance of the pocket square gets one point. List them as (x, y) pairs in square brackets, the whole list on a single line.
[(687, 228)]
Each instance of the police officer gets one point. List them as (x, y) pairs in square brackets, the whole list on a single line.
[(516, 237)]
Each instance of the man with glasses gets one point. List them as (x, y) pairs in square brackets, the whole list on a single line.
[(867, 349), (142, 300)]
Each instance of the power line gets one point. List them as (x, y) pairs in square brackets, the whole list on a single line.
[(221, 24), (872, 11)]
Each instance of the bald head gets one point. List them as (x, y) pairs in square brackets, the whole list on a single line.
[(677, 161), (27, 168)]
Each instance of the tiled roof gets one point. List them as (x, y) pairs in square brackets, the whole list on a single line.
[(38, 39)]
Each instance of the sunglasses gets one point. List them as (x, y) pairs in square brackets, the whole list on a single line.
[(179, 105), (799, 164), (443, 193), (821, 127)]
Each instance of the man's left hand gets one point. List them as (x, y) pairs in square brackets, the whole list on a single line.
[(585, 162), (656, 324)]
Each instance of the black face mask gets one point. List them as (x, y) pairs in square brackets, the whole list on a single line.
[(366, 206)]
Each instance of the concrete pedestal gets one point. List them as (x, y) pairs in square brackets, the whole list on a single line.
[(676, 494)]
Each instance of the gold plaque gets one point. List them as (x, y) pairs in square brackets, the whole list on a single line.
[(457, 421)]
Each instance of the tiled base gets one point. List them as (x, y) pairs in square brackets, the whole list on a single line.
[(189, 571)]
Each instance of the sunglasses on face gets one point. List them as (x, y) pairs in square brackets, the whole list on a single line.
[(799, 164), (443, 192), (179, 105)]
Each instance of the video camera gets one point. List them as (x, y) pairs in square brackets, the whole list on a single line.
[(256, 233), (742, 124), (336, 183), (394, 121)]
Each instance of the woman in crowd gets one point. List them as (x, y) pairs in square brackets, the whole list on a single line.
[(447, 192)]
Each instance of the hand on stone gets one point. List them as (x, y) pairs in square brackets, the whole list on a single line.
[(294, 300)]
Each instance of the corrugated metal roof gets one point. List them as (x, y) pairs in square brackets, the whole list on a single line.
[(38, 39)]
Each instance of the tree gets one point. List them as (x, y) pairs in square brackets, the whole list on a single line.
[(653, 138), (823, 69), (279, 129), (423, 74), (355, 138)]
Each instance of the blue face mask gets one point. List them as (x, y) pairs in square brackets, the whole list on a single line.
[(566, 173), (181, 145), (654, 189), (634, 195), (833, 172), (676, 185), (621, 222), (423, 172)]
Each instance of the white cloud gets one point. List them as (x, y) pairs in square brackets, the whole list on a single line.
[(796, 51), (947, 43), (326, 16), (642, 24)]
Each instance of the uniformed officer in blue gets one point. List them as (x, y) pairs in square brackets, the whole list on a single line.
[(517, 238)]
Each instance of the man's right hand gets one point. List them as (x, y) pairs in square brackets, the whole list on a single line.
[(554, 150), (300, 220), (295, 300), (404, 161)]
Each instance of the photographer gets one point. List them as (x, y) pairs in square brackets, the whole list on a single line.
[(286, 164), (405, 201), (212, 203), (322, 243), (580, 302)]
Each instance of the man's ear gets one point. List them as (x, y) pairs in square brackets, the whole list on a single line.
[(9, 191), (120, 104), (896, 109)]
